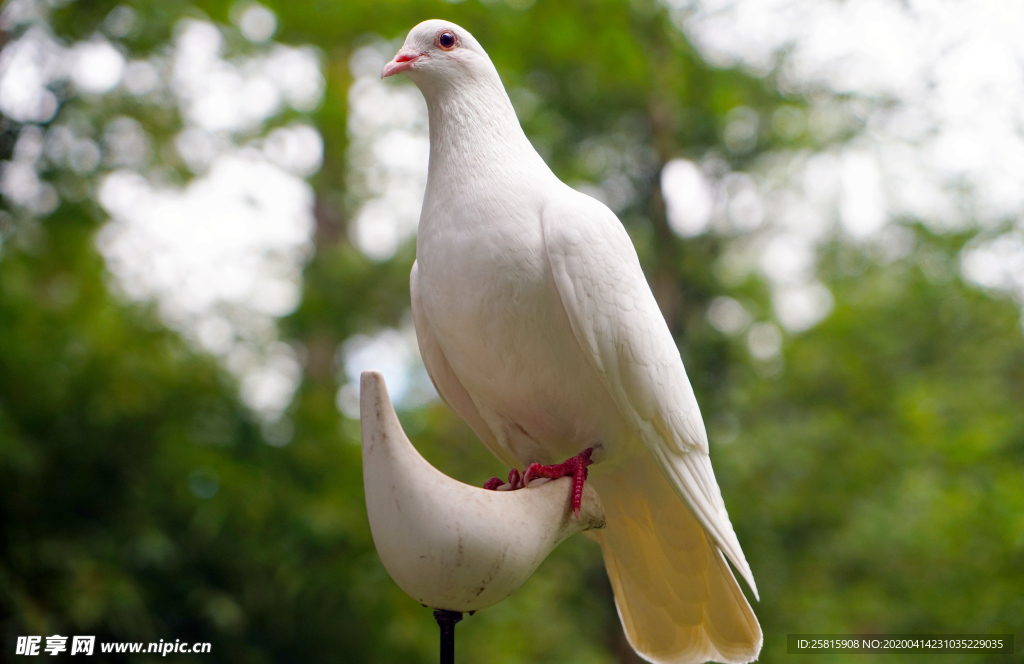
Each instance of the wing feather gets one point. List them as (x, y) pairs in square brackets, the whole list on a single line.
[(616, 320)]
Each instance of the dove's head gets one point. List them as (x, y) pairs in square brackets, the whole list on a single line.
[(439, 51), (468, 107)]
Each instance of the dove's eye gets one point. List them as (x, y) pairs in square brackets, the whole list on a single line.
[(446, 40)]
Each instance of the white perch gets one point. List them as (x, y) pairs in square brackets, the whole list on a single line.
[(447, 544)]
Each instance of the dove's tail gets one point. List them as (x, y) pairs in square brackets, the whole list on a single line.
[(678, 600)]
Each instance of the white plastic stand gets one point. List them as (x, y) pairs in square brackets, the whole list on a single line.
[(448, 545)]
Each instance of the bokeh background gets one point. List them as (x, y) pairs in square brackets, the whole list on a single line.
[(206, 231)]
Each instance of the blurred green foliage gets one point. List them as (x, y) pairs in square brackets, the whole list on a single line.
[(874, 473)]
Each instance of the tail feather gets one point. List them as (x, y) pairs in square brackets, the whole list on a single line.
[(675, 593)]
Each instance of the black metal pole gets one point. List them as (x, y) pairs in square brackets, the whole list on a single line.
[(446, 621)]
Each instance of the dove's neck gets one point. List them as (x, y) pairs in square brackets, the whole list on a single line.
[(474, 133)]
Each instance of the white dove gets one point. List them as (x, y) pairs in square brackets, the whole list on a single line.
[(538, 328)]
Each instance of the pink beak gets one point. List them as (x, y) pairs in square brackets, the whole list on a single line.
[(403, 60)]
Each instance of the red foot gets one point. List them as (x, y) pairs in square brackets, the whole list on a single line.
[(575, 466), (513, 479)]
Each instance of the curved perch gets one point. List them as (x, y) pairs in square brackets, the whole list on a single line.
[(447, 544)]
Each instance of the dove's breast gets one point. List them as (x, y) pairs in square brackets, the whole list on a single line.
[(491, 303)]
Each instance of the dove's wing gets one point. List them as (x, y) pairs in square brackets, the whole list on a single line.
[(445, 381), (617, 322)]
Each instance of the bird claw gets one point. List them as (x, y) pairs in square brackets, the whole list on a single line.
[(514, 482), (575, 466)]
